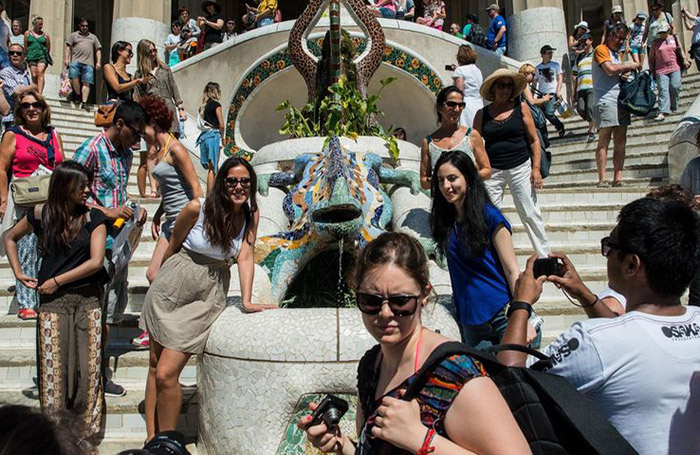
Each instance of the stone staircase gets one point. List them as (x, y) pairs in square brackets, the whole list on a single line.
[(577, 216)]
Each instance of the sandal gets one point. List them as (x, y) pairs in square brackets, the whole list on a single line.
[(617, 183), (603, 184), (153, 195), (26, 314)]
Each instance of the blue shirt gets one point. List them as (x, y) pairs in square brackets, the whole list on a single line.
[(495, 26), (479, 285)]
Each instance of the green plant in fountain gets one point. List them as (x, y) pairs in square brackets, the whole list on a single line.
[(343, 112)]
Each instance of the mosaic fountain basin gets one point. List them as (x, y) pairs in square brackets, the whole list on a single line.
[(258, 371)]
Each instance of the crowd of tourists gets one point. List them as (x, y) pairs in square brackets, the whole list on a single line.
[(71, 276)]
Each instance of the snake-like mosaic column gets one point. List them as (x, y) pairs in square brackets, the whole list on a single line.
[(366, 63)]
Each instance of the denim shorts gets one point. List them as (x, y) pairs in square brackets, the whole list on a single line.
[(387, 13), (82, 71), (637, 50), (209, 143)]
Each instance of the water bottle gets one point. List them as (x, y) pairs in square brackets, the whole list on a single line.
[(182, 128), (119, 222)]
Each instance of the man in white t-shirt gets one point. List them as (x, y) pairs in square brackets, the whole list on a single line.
[(548, 81), (642, 368)]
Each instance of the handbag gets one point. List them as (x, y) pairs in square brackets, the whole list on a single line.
[(66, 88), (47, 56), (104, 116), (637, 94), (33, 190)]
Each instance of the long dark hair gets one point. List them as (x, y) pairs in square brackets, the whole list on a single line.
[(117, 47), (442, 98), (59, 222), (475, 232), (219, 224)]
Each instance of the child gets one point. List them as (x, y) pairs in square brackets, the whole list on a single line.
[(637, 45), (172, 42)]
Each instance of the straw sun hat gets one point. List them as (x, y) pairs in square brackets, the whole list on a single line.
[(517, 78)]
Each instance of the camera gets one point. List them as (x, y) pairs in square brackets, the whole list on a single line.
[(547, 267), (329, 411), (165, 443)]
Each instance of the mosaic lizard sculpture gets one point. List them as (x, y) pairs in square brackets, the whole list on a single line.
[(335, 195), (365, 64)]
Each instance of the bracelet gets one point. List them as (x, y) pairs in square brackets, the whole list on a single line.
[(517, 305), (56, 281), (592, 304), (426, 448)]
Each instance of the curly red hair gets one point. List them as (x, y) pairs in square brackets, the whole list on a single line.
[(157, 111)]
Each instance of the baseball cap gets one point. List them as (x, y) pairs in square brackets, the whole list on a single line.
[(547, 48), (641, 15), (585, 36), (582, 24), (493, 6), (616, 9)]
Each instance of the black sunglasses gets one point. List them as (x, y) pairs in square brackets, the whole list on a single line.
[(137, 134), (454, 104), (400, 305), (17, 53), (607, 245), (131, 53), (232, 182), (36, 105)]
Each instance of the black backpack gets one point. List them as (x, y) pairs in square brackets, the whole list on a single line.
[(554, 417), (637, 95), (476, 35)]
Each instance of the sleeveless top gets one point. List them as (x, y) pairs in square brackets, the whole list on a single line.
[(435, 399), (174, 188), (464, 146), (30, 152), (123, 96), (17, 39), (506, 141), (35, 47), (197, 241)]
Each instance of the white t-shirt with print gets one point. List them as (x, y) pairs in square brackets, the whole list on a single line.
[(546, 77), (643, 372)]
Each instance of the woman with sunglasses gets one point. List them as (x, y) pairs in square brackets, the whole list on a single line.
[(119, 83), (392, 288), (162, 85), (26, 147), (189, 292), (211, 125), (513, 148), (476, 239), (451, 137), (71, 287)]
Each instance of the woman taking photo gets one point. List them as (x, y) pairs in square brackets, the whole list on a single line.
[(451, 137), (664, 63), (162, 85), (392, 288), (476, 240), (513, 148), (31, 143), (176, 177), (209, 141), (38, 46), (208, 237), (71, 286), (468, 78)]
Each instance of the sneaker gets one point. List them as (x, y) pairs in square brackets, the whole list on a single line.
[(112, 389), (660, 117), (562, 132), (591, 137), (142, 341), (26, 314)]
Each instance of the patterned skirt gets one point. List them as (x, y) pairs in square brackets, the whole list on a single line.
[(70, 355)]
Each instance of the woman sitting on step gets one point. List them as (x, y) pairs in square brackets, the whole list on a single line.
[(189, 292), (71, 280), (458, 408)]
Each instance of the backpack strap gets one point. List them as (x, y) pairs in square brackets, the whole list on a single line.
[(365, 377), (48, 143)]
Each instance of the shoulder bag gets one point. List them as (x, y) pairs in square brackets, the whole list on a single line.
[(104, 116), (30, 191)]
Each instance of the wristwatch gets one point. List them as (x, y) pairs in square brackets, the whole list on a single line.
[(517, 305)]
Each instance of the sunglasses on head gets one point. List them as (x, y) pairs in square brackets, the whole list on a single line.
[(232, 182), (17, 53), (454, 104), (400, 305), (36, 105)]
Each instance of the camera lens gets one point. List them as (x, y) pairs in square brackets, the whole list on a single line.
[(332, 416)]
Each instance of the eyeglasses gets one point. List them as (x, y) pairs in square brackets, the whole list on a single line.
[(137, 134), (129, 51), (36, 105), (232, 182), (607, 245), (454, 104), (153, 51), (16, 53), (400, 305)]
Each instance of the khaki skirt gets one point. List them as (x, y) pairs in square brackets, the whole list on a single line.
[(185, 299)]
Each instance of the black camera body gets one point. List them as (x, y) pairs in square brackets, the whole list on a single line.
[(165, 443), (329, 411), (547, 267)]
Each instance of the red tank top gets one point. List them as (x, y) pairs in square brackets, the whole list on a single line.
[(31, 152)]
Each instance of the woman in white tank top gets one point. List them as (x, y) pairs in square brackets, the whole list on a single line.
[(189, 292)]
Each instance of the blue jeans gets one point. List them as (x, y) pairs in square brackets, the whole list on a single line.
[(209, 143), (669, 91), (28, 259), (4, 59), (82, 71), (266, 21), (387, 13), (485, 335), (500, 51), (550, 112)]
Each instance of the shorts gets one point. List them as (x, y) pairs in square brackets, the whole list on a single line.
[(166, 229), (637, 50), (82, 71), (35, 62), (608, 114), (387, 13), (265, 22), (209, 143)]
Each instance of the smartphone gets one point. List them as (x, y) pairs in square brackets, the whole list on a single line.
[(547, 267), (450, 67), (329, 411)]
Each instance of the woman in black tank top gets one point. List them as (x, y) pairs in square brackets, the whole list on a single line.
[(119, 84)]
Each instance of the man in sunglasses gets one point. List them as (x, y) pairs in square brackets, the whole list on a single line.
[(642, 369), (109, 156), (16, 81), (83, 56)]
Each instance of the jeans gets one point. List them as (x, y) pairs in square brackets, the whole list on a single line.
[(669, 91), (500, 51), (209, 143), (265, 22), (550, 112), (28, 259), (525, 200), (4, 59), (485, 335)]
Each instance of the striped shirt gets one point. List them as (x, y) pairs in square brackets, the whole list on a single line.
[(583, 72), (14, 78)]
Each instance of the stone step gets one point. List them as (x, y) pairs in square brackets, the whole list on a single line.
[(632, 171), (556, 196), (565, 232), (562, 164), (644, 134), (571, 212)]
